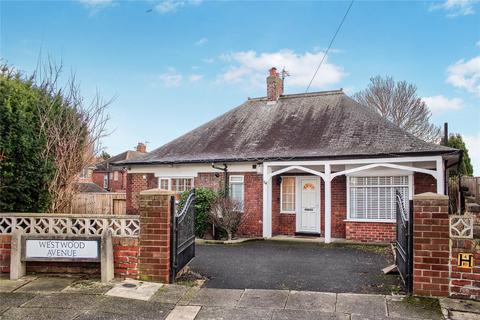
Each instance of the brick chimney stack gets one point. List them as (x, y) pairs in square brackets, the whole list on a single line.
[(141, 147), (274, 85)]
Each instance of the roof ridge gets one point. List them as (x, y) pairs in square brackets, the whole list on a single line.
[(302, 95)]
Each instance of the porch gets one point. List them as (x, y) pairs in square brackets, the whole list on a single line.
[(364, 188)]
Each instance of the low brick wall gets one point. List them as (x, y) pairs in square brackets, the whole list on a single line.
[(377, 232), (141, 244), (438, 239)]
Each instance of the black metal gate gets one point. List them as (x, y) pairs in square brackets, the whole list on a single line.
[(182, 240), (404, 243)]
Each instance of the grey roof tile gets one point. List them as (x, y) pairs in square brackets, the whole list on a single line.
[(300, 126)]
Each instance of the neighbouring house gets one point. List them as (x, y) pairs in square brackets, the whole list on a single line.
[(312, 163), (114, 178), (84, 181)]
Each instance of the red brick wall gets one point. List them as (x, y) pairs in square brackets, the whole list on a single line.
[(125, 257), (430, 245), (465, 282), (339, 206), (253, 207), (378, 232), (97, 178), (5, 253), (424, 183), (210, 180), (137, 182), (154, 240), (125, 253)]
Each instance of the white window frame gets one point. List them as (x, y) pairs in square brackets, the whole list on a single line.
[(230, 182), (115, 175), (294, 193), (105, 181), (170, 182), (352, 219)]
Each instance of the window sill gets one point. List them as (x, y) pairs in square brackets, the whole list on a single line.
[(370, 220), (287, 212)]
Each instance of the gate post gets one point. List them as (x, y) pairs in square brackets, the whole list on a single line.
[(154, 239), (430, 245)]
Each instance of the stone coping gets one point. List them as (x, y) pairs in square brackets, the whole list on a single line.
[(40, 215), (430, 196), (157, 191)]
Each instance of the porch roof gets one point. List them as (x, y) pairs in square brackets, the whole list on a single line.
[(321, 125)]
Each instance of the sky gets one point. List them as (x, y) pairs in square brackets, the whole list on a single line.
[(171, 66)]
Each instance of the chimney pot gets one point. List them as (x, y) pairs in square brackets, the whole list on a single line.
[(141, 147), (274, 85)]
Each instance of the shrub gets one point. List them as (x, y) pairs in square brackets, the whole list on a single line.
[(204, 198), (226, 213)]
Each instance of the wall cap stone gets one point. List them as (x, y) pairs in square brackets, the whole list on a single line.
[(430, 196), (157, 191)]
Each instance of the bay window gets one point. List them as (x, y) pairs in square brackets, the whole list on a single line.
[(373, 198)]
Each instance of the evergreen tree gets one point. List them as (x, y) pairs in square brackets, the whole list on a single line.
[(465, 168)]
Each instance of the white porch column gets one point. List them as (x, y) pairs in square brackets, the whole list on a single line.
[(328, 204), (440, 175), (267, 202)]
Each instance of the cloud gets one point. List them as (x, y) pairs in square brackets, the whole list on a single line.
[(250, 68), (208, 60), (195, 77), (441, 103), (170, 6), (201, 42), (455, 8), (477, 44), (95, 6), (465, 75), (171, 78), (473, 145)]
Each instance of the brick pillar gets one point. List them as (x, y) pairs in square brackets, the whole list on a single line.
[(154, 240), (136, 183), (430, 245)]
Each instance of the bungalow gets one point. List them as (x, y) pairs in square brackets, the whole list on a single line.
[(312, 163)]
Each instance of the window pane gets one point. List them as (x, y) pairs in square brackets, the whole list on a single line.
[(236, 189), (288, 194), (374, 197)]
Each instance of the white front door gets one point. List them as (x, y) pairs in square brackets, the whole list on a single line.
[(308, 215)]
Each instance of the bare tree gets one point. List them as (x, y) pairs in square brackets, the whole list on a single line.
[(72, 129), (399, 103), (227, 214)]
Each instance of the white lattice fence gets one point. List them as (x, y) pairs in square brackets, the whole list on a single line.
[(35, 223)]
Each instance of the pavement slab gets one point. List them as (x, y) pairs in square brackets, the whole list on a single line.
[(216, 297), (460, 305), (259, 298), (96, 315), (184, 313), (47, 285), (308, 315), (14, 299), (219, 313), (366, 317), (309, 300), (39, 314), (364, 304), (414, 308), (459, 315), (65, 301), (171, 293), (94, 286), (138, 308), (7, 285), (134, 289)]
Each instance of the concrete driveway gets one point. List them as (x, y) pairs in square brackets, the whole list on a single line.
[(296, 266)]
